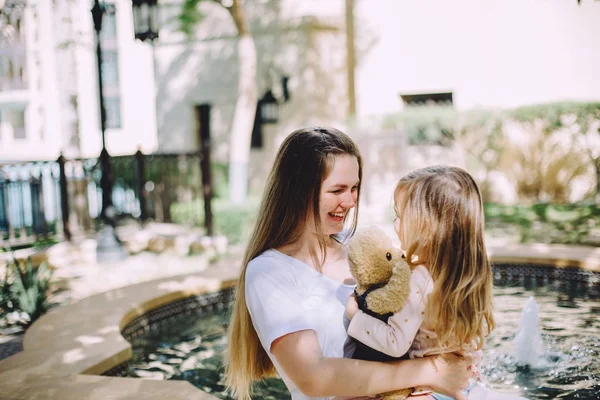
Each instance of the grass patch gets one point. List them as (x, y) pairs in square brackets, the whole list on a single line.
[(233, 221)]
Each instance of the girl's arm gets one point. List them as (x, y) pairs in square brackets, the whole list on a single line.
[(394, 337), (300, 356)]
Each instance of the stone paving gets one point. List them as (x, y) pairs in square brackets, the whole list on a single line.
[(77, 275)]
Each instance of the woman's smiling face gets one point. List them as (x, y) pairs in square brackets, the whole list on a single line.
[(339, 193)]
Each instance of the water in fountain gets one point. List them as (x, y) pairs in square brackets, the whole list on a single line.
[(528, 341), (566, 368)]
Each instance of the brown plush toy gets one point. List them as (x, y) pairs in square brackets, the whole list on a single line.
[(382, 286)]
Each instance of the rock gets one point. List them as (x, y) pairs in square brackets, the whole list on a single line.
[(220, 244), (159, 244), (201, 244), (183, 244), (137, 242)]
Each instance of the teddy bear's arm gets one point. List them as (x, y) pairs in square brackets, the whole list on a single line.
[(392, 296)]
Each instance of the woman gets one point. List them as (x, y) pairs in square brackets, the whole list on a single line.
[(294, 283)]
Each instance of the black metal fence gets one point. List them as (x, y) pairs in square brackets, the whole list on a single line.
[(62, 198), (29, 201)]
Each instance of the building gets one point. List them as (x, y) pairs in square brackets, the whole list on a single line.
[(49, 82), (467, 52)]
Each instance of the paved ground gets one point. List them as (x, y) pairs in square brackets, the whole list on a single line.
[(82, 278)]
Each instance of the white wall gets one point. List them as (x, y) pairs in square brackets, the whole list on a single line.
[(44, 103), (489, 53), (39, 101), (205, 70)]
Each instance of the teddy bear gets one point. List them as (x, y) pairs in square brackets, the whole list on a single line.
[(382, 286)]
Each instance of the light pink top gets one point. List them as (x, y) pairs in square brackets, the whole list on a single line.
[(405, 330)]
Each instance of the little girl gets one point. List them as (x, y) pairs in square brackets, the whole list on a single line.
[(440, 224)]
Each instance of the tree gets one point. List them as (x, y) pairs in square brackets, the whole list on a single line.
[(245, 107)]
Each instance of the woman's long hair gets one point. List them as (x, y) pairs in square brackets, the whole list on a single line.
[(291, 194), (442, 223)]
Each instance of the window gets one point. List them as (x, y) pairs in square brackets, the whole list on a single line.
[(18, 28), (423, 99), (14, 119), (3, 67), (112, 106), (110, 68)]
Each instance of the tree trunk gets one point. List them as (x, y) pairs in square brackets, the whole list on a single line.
[(245, 108), (597, 167)]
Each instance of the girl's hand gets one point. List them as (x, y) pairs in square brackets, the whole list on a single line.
[(451, 374), (351, 306)]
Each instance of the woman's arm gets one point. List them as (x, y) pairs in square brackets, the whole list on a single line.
[(300, 356)]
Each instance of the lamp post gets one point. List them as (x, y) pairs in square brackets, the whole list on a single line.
[(98, 11), (109, 247)]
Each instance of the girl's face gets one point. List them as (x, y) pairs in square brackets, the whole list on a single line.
[(339, 193)]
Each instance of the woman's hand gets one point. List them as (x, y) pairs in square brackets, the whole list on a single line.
[(351, 306), (451, 374)]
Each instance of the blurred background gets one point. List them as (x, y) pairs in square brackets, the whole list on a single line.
[(136, 137), (172, 110)]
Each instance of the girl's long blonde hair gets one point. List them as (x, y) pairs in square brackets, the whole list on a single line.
[(292, 193), (442, 223)]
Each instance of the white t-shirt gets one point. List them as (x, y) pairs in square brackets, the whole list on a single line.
[(285, 295)]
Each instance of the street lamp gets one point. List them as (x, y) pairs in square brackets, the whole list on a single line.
[(269, 104), (109, 247), (145, 19), (267, 111), (269, 108), (105, 181)]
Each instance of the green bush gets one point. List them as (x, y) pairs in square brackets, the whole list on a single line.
[(553, 113), (423, 124), (233, 221), (26, 288), (189, 213), (32, 288), (545, 222), (8, 300), (545, 150), (220, 180)]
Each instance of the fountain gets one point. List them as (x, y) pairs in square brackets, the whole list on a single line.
[(528, 341), (515, 362)]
